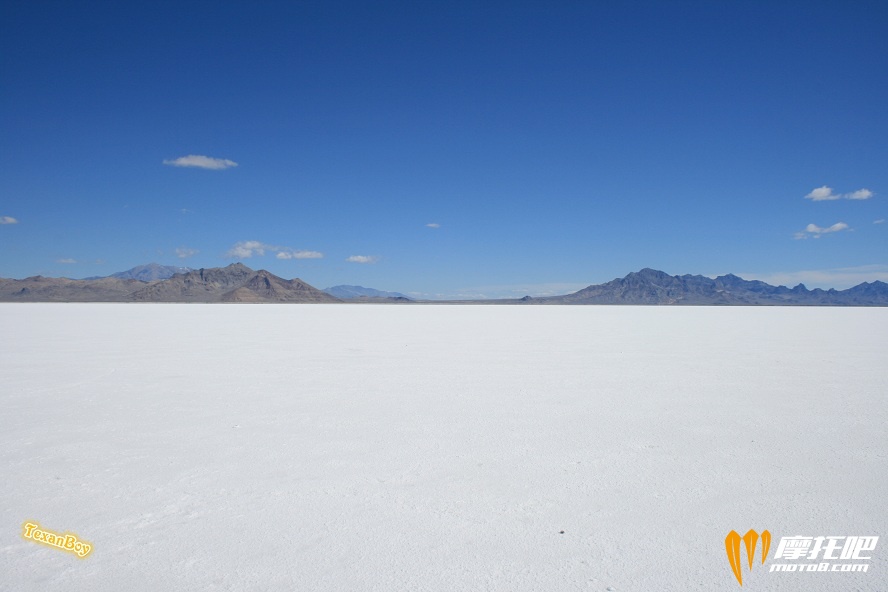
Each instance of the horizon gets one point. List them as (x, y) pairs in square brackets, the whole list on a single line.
[(447, 152), (443, 298)]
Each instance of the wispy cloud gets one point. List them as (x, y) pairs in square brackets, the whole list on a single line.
[(8, 220), (299, 255), (201, 162), (66, 261), (812, 230), (838, 278), (185, 253), (859, 194), (823, 194), (826, 194), (247, 249), (362, 259), (879, 221), (433, 225)]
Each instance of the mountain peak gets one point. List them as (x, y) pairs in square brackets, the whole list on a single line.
[(237, 265), (233, 283)]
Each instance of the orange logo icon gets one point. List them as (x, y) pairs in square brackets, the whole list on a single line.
[(750, 539)]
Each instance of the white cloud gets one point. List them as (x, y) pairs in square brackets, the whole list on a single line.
[(299, 255), (201, 162), (66, 261), (8, 220), (826, 194), (817, 231), (362, 259), (859, 194), (879, 221), (834, 228), (433, 225), (246, 249), (838, 278), (823, 194), (185, 253)]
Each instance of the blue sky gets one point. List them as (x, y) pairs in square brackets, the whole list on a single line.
[(447, 149)]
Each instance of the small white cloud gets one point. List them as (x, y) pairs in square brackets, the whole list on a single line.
[(362, 259), (299, 255), (185, 253), (834, 228), (8, 220), (433, 225), (879, 221), (826, 194), (66, 261), (201, 162), (815, 231), (859, 194), (823, 194), (246, 249)]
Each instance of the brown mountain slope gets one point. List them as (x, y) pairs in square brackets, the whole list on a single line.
[(267, 287), (235, 283), (200, 285)]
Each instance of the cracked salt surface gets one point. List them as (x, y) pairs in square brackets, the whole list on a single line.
[(386, 448)]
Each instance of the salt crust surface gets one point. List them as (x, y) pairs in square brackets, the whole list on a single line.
[(438, 448)]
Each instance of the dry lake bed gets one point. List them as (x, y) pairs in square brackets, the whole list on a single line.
[(437, 448)]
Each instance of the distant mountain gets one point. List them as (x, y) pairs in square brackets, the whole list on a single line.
[(239, 283), (235, 283), (650, 286), (145, 273), (150, 272), (350, 292), (44, 289)]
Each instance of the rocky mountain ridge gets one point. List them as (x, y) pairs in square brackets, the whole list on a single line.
[(239, 283), (235, 283), (653, 287)]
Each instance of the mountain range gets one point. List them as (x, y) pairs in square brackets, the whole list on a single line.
[(650, 286), (235, 283), (239, 283)]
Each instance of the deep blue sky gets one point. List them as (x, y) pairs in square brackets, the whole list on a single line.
[(555, 145)]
